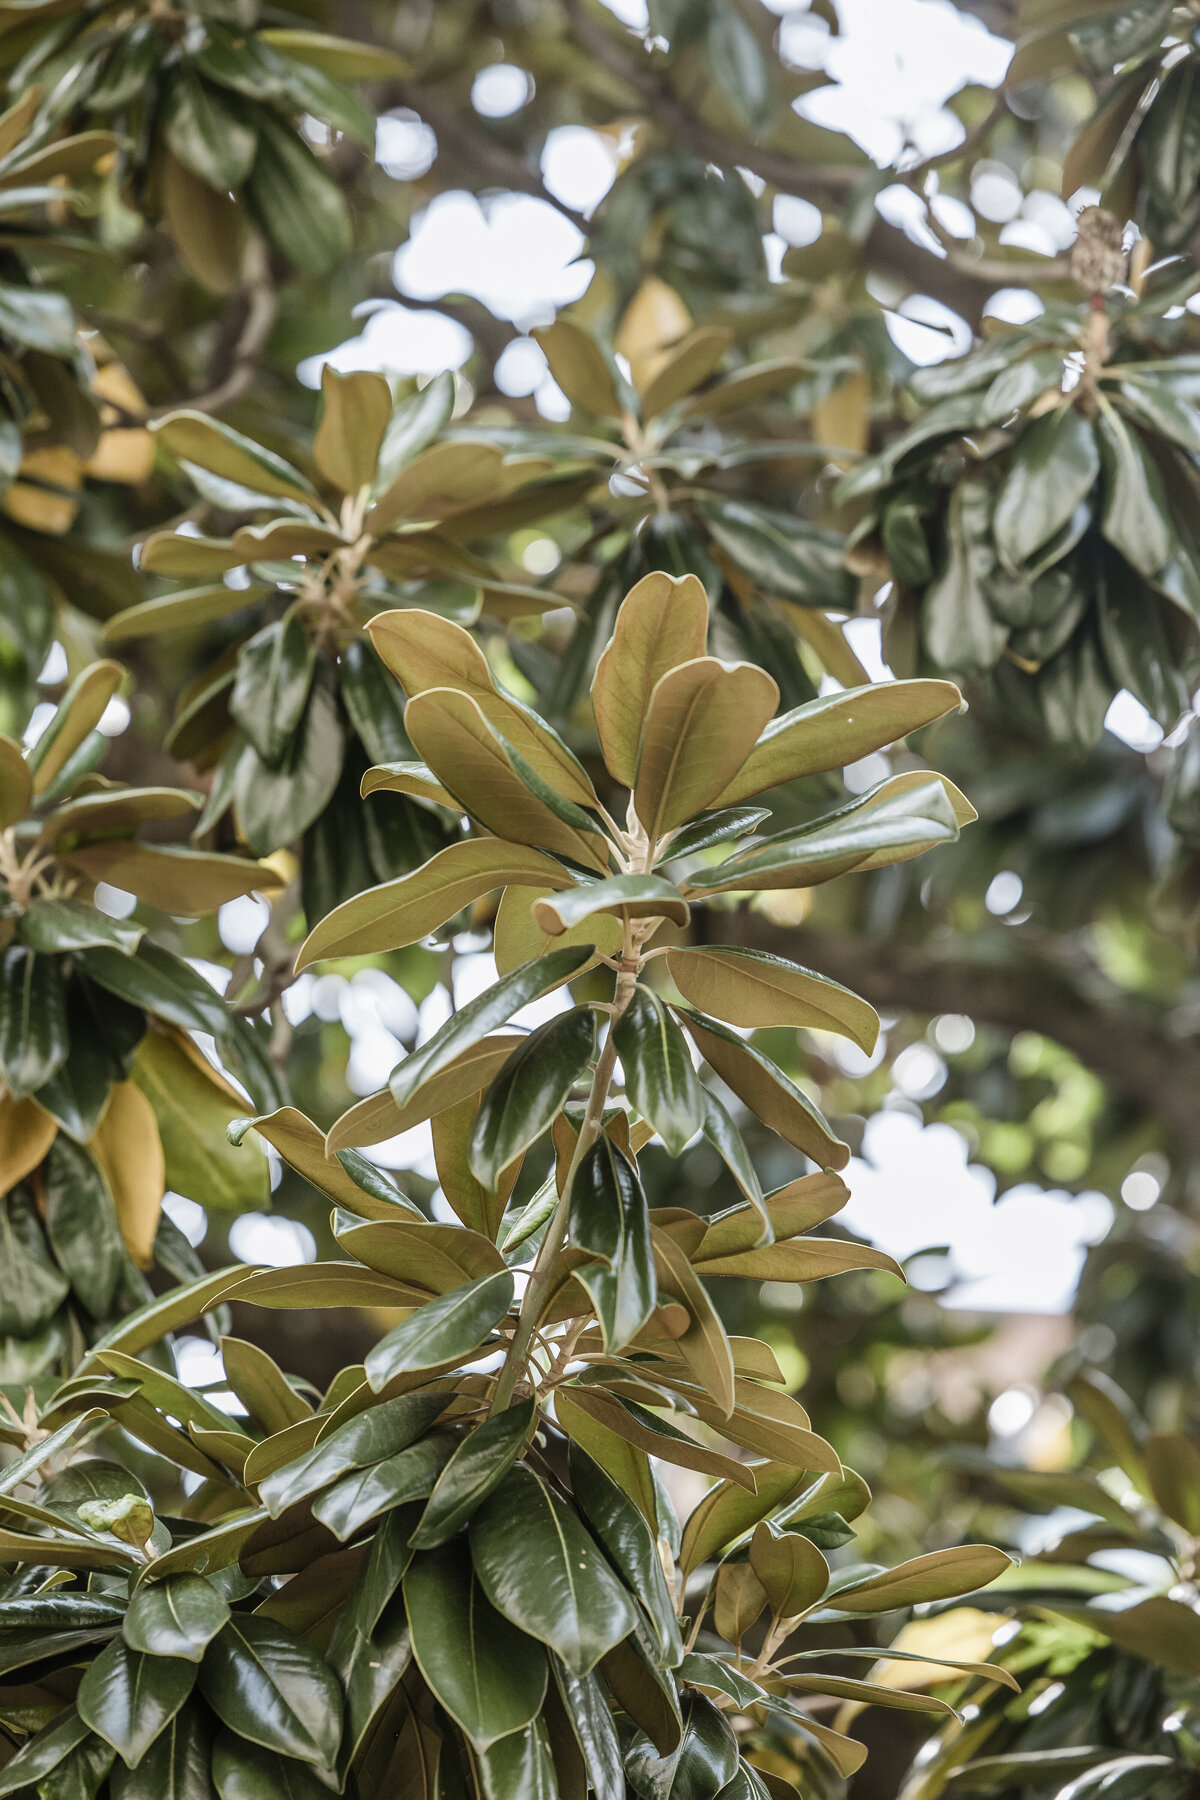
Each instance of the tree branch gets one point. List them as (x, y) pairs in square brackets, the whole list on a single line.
[(250, 320), (957, 278), (1132, 1052), (480, 159)]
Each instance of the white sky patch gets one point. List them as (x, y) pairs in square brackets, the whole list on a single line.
[(895, 64), (396, 341), (268, 1238), (516, 254), (578, 166), (913, 1190), (1128, 719)]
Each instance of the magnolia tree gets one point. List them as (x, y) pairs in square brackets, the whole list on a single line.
[(570, 682), (458, 1570)]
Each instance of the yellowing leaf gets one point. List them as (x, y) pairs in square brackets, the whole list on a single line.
[(128, 1148), (517, 936), (26, 1134), (841, 419), (357, 407), (379, 1117), (404, 911), (838, 729), (79, 712), (193, 1104), (441, 480), (662, 622), (964, 1635), (690, 363), (48, 496), (451, 733), (123, 455), (16, 783), (424, 651), (580, 368), (748, 987), (703, 721), (171, 877), (652, 324)]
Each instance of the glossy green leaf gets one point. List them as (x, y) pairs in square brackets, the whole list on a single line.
[(960, 628), (33, 1020), (730, 1146), (299, 206), (942, 1575), (838, 729), (781, 553), (583, 1735), (81, 1224), (520, 1766), (899, 819), (529, 1092), (274, 674), (210, 135), (624, 896), (1136, 516), (34, 1284), (362, 1495), (495, 1006), (609, 1219), (176, 1766), (128, 1697), (244, 1770), (749, 987), (405, 911), (629, 1543), (178, 1617), (542, 1570), (444, 1330), (277, 802), (659, 1077), (371, 1665), (705, 1761), (52, 924), (478, 1465), (268, 1686), (378, 1433), (1054, 468), (46, 1750), (490, 1677), (767, 1091)]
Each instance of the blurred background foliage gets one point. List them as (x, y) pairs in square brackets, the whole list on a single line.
[(798, 232)]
